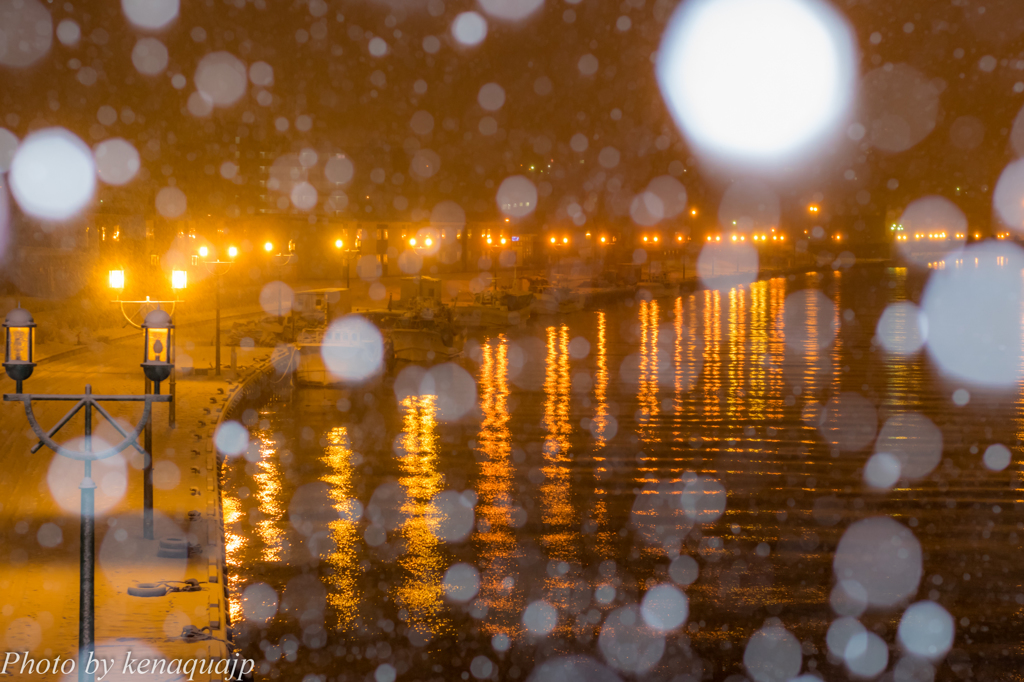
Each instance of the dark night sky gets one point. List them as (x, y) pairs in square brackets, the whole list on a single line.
[(362, 105)]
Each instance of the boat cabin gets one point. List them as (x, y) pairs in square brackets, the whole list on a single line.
[(325, 303), (420, 287)]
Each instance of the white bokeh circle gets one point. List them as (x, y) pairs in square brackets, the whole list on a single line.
[(53, 175), (756, 79)]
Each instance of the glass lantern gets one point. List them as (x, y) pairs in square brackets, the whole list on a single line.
[(20, 348), (158, 360)]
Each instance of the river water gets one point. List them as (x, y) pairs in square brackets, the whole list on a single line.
[(714, 443)]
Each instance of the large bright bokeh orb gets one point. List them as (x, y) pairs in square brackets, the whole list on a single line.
[(756, 80), (53, 175)]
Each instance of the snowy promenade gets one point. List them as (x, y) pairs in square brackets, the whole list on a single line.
[(39, 517)]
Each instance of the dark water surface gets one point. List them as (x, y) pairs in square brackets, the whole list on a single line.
[(590, 467)]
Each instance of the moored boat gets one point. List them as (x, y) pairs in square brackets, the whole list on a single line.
[(420, 335), (549, 299), (658, 286), (489, 309), (344, 355), (604, 288)]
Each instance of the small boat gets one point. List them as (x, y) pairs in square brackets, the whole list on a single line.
[(657, 286), (516, 300), (490, 309), (421, 335), (549, 299), (605, 288), (353, 353)]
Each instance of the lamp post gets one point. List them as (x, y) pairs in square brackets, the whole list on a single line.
[(19, 362), (157, 365), (179, 281), (339, 244), (281, 260), (425, 243), (155, 318), (218, 268)]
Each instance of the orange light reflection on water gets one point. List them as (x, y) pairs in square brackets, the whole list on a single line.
[(599, 510), (420, 594), (344, 595), (500, 583), (712, 357), (559, 535), (737, 370), (268, 497), (234, 546), (647, 397)]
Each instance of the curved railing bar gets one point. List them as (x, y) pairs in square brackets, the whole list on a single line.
[(74, 410), (75, 454)]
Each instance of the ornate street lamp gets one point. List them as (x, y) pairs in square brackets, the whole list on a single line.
[(157, 365), (19, 361), (116, 280), (20, 349), (179, 282), (157, 360)]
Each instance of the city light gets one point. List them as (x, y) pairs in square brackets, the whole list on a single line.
[(565, 240), (232, 251), (116, 279), (430, 242), (268, 247), (502, 240), (179, 279), (338, 243), (412, 241), (552, 240), (204, 252)]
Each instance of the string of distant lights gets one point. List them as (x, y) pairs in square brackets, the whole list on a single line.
[(742, 238)]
